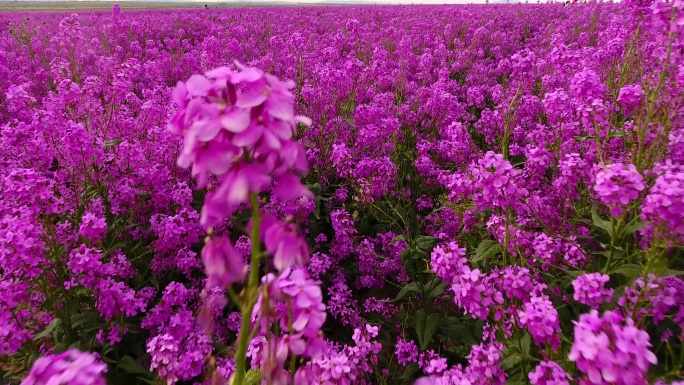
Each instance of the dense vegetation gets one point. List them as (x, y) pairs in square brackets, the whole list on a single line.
[(443, 194)]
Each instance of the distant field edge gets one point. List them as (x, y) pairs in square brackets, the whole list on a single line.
[(64, 6)]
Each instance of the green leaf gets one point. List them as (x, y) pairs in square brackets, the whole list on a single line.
[(452, 328), (426, 242), (511, 360), (434, 289), (107, 359), (410, 288), (581, 139), (407, 260), (515, 381), (60, 347), (664, 271), (525, 343), (253, 377), (83, 318), (76, 345), (426, 326), (119, 245), (48, 329), (128, 365), (314, 188), (600, 223), (575, 273), (638, 225), (486, 250), (402, 312), (411, 259), (629, 270), (112, 143)]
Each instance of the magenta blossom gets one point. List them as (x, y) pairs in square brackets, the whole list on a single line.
[(69, 368), (284, 243), (611, 350), (223, 263)]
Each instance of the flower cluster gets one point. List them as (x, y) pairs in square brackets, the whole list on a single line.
[(590, 289), (630, 97), (549, 373), (70, 367), (406, 352), (446, 260), (237, 128), (664, 204), (610, 349), (541, 319), (617, 185)]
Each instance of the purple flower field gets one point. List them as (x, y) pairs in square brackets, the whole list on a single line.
[(452, 195)]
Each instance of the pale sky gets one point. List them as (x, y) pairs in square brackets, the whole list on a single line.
[(327, 1)]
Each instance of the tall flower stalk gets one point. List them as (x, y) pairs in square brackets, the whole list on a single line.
[(237, 128)]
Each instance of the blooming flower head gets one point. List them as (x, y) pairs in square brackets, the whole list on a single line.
[(549, 373), (238, 126), (590, 289), (630, 97), (224, 264), (284, 243), (617, 185), (611, 350), (446, 260), (664, 204), (406, 352), (541, 319), (69, 368)]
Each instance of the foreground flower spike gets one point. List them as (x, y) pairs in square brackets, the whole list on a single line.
[(611, 350), (223, 262), (69, 368), (237, 127)]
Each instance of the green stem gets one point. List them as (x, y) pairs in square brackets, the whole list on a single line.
[(613, 232), (251, 293), (506, 235)]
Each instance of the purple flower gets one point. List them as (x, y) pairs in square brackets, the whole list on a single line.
[(71, 367), (611, 350), (223, 263), (234, 189), (447, 260), (284, 243), (590, 289), (238, 126), (92, 226), (541, 319), (549, 373), (295, 300), (406, 352), (664, 204), (617, 185), (164, 351), (432, 363), (630, 97)]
